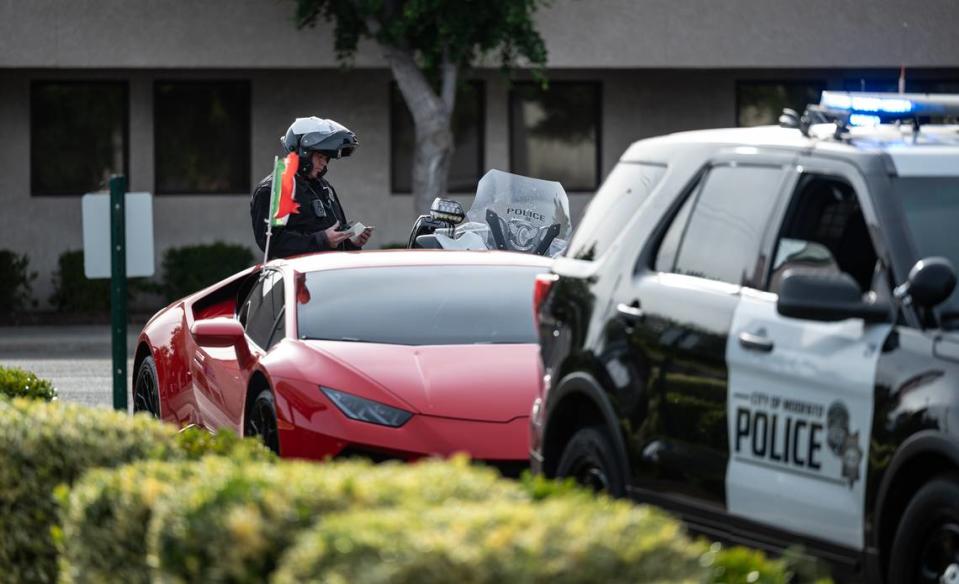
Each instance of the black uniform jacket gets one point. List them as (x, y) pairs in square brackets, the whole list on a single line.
[(319, 210)]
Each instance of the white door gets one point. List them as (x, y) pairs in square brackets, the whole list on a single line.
[(799, 418)]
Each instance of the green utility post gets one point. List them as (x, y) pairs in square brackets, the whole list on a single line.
[(118, 289)]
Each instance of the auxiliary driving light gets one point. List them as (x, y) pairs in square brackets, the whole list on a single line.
[(447, 210)]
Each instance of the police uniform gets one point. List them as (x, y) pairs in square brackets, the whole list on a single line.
[(319, 210)]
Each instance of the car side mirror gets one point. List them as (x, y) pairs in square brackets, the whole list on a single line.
[(222, 332), (930, 282), (826, 297)]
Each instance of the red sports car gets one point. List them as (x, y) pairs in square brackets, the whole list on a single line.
[(390, 354)]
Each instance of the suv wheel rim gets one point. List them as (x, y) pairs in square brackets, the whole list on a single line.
[(591, 474), (939, 553)]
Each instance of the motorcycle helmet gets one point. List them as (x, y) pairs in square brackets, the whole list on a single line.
[(313, 134)]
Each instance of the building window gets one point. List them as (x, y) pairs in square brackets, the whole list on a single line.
[(555, 133), (469, 117), (78, 135), (202, 137), (760, 103)]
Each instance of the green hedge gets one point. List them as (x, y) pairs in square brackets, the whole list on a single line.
[(15, 382), (192, 268), (233, 527), (43, 445), (562, 540), (73, 292), (15, 282), (106, 514)]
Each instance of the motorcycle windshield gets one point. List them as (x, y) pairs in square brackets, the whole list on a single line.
[(519, 213)]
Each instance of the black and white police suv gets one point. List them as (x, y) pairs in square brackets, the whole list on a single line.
[(757, 329)]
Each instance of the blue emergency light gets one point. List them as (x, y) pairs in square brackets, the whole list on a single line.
[(871, 109)]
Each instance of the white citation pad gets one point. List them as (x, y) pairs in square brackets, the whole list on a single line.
[(96, 235)]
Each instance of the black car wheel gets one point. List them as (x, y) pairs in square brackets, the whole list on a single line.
[(261, 420), (927, 540), (590, 459), (146, 389)]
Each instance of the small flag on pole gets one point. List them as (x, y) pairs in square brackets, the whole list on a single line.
[(282, 201)]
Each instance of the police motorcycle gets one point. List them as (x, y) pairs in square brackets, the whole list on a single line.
[(510, 212)]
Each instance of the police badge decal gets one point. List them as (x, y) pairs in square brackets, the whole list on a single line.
[(843, 443)]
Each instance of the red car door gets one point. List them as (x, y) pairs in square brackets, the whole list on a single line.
[(220, 380)]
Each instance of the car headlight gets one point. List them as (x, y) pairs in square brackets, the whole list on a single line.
[(367, 410)]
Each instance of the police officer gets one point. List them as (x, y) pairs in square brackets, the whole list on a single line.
[(319, 224)]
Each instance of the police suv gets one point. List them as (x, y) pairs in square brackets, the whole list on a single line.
[(758, 330)]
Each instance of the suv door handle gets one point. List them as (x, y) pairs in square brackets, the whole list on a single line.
[(631, 312), (758, 342)]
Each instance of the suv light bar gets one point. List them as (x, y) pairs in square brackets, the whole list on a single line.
[(876, 107)]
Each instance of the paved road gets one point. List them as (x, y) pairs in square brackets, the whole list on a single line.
[(77, 359)]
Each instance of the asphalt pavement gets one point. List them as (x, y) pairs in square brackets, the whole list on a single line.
[(77, 359)]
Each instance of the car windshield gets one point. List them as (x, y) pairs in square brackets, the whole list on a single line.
[(931, 205), (419, 305)]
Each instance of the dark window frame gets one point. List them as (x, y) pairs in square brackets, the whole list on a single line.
[(824, 84), (598, 85), (280, 281), (34, 84), (480, 88), (249, 133)]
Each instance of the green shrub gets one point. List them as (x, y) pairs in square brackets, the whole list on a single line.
[(563, 539), (233, 526), (15, 282), (106, 513), (192, 268), (16, 382), (43, 445), (196, 443), (740, 564), (73, 292)]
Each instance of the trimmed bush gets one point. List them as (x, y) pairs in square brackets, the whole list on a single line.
[(234, 526), (106, 515), (195, 443), (15, 382), (15, 282), (43, 445), (73, 292), (192, 268), (563, 539)]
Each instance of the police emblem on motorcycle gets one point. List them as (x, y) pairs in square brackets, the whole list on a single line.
[(843, 443)]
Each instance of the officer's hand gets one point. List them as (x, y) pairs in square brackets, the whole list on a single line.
[(335, 237), (361, 239)]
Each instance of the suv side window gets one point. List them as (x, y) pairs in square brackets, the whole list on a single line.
[(623, 192), (263, 307), (825, 231), (727, 217)]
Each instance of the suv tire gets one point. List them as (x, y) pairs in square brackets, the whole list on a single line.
[(590, 459), (927, 539)]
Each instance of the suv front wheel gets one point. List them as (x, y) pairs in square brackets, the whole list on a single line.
[(590, 459), (927, 540)]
